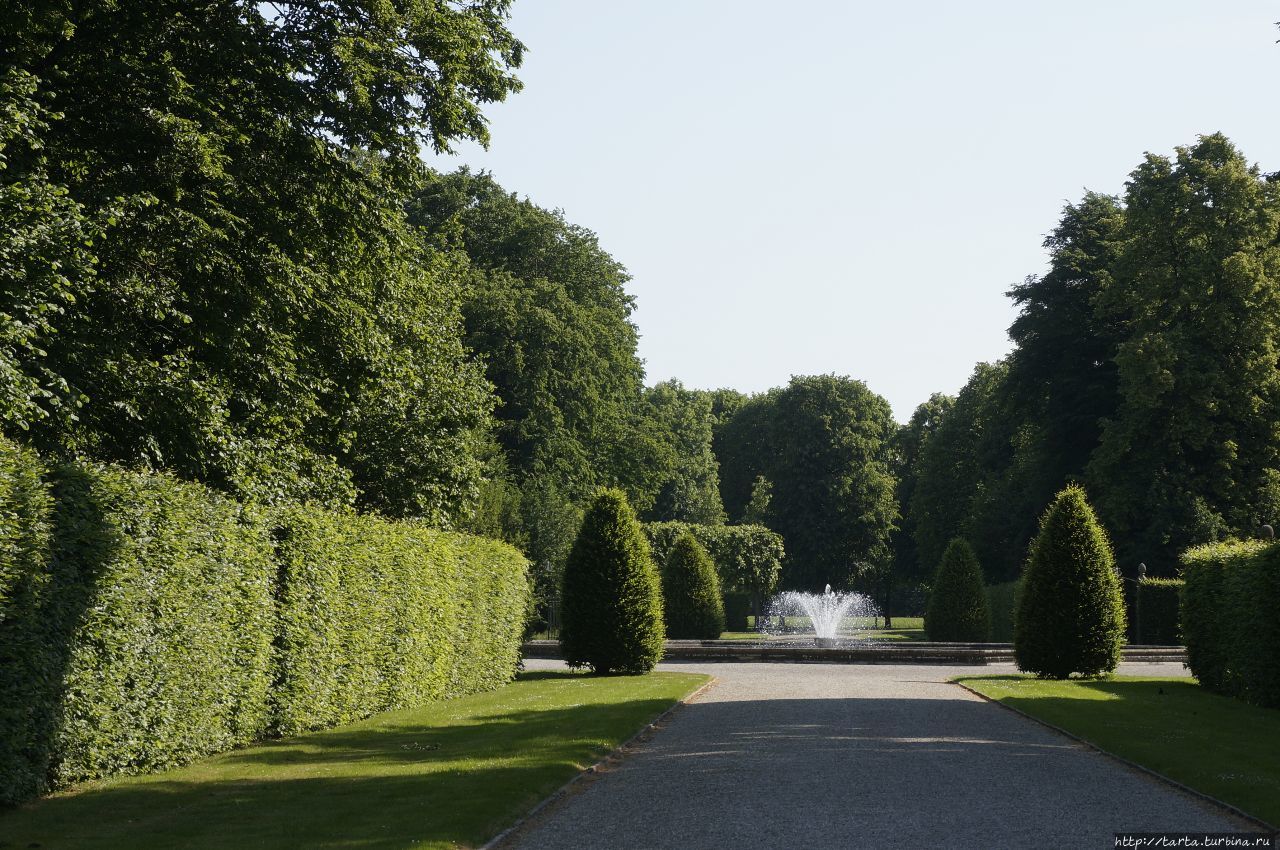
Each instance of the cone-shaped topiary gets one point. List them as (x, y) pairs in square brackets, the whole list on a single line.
[(691, 602), (958, 602), (612, 599), (1070, 616)]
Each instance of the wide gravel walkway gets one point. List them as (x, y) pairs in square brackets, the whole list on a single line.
[(849, 755)]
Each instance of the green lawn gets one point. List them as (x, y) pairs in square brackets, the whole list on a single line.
[(1215, 744), (451, 773)]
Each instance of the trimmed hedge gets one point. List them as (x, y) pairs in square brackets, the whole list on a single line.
[(612, 597), (957, 609), (150, 587), (691, 603), (1229, 619), (376, 615), (747, 557), (146, 622), (1070, 616), (1156, 611), (1002, 599)]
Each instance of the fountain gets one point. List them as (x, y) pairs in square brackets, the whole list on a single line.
[(826, 611)]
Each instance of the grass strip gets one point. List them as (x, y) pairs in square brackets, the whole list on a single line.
[(1217, 745), (448, 774)]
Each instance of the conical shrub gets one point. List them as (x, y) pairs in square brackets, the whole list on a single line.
[(958, 601), (691, 602), (611, 603), (1070, 616)]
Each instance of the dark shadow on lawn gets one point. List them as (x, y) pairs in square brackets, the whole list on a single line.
[(356, 787)]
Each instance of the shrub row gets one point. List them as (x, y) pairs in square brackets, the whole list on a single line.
[(1229, 621), (1156, 611), (748, 558), (145, 621)]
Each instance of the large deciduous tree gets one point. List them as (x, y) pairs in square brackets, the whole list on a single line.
[(825, 445), (1192, 452), (256, 316)]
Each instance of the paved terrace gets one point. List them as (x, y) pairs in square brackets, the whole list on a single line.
[(845, 756)]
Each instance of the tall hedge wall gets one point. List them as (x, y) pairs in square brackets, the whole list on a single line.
[(1229, 619), (1156, 612), (748, 558), (376, 615), (145, 622)]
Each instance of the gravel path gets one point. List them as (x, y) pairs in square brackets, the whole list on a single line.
[(879, 756)]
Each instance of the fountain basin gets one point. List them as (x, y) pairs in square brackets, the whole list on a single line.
[(827, 642)]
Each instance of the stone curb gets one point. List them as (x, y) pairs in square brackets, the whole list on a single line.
[(917, 653), (1186, 789), (610, 757)]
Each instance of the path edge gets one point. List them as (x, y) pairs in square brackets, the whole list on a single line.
[(608, 758), (1141, 768)]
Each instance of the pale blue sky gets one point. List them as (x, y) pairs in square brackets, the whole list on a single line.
[(849, 187)]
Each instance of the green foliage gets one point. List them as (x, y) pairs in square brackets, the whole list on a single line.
[(254, 314), (957, 600), (1192, 449), (124, 590), (378, 615), (1156, 611), (957, 491), (612, 597), (1002, 601), (149, 586), (691, 603), (908, 457), (826, 445), (1070, 616), (691, 491), (1229, 623), (748, 558), (547, 310)]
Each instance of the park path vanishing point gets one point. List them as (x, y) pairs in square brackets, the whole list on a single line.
[(849, 755)]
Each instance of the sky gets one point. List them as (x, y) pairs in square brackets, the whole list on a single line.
[(852, 188)]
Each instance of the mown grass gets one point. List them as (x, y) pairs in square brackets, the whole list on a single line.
[(1215, 744), (448, 774)]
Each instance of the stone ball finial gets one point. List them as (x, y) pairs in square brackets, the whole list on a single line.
[(1267, 532)]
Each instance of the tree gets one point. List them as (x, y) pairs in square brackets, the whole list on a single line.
[(256, 315), (909, 446), (958, 598), (825, 444), (691, 491), (757, 510), (1194, 444), (547, 311), (1070, 614), (961, 468), (692, 604), (612, 596)]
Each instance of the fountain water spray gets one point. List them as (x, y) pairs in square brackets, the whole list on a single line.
[(826, 611)]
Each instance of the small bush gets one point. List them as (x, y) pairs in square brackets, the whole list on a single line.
[(1070, 616), (958, 602), (691, 600), (1002, 600), (612, 599), (1157, 611)]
